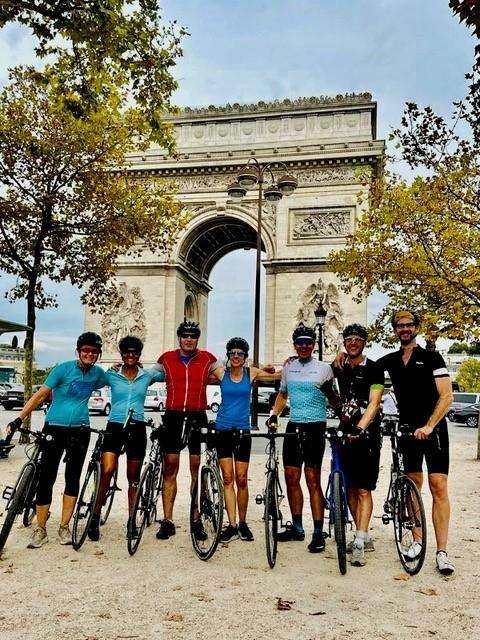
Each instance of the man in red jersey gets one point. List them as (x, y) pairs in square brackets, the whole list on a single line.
[(187, 370)]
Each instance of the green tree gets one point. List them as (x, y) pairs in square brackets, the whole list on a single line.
[(459, 347), (468, 375), (39, 375), (67, 210), (121, 37)]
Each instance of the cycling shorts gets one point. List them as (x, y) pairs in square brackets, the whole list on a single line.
[(182, 428), (308, 448), (133, 440), (230, 444), (435, 451), (360, 460)]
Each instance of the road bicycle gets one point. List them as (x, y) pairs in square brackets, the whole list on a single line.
[(149, 488), (113, 486), (88, 493), (21, 497), (206, 506), (336, 497), (404, 505), (273, 495)]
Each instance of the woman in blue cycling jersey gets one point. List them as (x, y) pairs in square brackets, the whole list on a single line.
[(233, 449), (129, 386)]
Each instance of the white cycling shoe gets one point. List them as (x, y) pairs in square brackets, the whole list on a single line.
[(444, 565), (413, 551)]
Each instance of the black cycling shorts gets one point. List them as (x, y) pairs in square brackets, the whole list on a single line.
[(134, 440), (182, 428), (360, 460), (231, 444), (435, 451), (308, 448)]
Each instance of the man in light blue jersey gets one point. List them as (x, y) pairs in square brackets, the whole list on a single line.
[(308, 384)]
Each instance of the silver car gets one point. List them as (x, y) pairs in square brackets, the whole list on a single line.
[(155, 399)]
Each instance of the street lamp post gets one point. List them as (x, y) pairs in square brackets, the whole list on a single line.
[(320, 314), (254, 174)]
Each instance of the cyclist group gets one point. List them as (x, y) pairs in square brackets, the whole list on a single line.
[(420, 381)]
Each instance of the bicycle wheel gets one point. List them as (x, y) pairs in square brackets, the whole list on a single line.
[(141, 510), (209, 498), (271, 518), (16, 503), (30, 504), (85, 504), (339, 521), (157, 490), (111, 491), (410, 525)]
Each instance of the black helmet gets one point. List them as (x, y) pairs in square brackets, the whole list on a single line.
[(407, 314), (355, 330), (302, 331), (91, 339), (188, 326), (131, 343), (238, 343)]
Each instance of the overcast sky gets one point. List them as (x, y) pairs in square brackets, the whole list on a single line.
[(249, 50)]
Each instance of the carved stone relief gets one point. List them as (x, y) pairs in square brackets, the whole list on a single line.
[(318, 223), (328, 296), (126, 317)]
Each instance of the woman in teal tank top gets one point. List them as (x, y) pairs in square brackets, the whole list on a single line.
[(233, 449)]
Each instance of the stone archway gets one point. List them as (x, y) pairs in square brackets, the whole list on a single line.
[(327, 143)]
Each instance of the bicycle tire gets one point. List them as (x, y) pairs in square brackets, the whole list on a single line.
[(140, 512), (339, 523), (111, 491), (16, 503), (30, 508), (156, 491), (271, 518), (85, 504), (409, 514), (210, 509)]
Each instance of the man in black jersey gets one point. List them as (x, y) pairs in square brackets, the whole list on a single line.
[(361, 384), (424, 394)]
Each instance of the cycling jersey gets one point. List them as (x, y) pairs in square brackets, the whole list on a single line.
[(302, 381), (355, 383), (71, 388), (186, 382), (130, 394), (414, 383)]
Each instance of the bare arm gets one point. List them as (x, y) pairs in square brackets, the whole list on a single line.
[(374, 402), (216, 375), (35, 401), (263, 376), (280, 403), (444, 388)]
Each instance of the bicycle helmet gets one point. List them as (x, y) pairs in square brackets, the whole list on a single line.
[(188, 326), (91, 339), (238, 343), (130, 343), (405, 314), (355, 330), (302, 331)]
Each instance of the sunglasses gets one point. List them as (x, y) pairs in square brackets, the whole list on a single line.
[(407, 325), (354, 339), (89, 352), (131, 352), (303, 342), (189, 336), (236, 353)]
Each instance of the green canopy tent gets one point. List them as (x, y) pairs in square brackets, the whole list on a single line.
[(6, 326)]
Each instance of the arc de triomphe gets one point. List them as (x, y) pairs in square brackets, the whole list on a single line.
[(325, 143)]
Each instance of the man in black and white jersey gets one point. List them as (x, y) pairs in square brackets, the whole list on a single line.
[(424, 394)]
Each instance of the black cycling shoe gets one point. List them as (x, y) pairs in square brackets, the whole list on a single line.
[(291, 533), (317, 545), (93, 532), (229, 533), (166, 530), (198, 531), (244, 532)]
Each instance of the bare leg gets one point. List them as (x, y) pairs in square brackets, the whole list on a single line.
[(133, 476), (226, 465), (353, 503), (42, 514), (317, 500), (170, 471), (294, 490), (109, 464), (364, 510), (441, 508), (68, 506), (241, 480)]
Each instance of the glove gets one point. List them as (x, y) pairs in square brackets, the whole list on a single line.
[(12, 427), (272, 422)]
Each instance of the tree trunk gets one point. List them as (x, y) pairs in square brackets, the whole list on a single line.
[(29, 349)]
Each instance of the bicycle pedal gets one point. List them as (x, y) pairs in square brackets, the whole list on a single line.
[(259, 499), (7, 493), (385, 518)]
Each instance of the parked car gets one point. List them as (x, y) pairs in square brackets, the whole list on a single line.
[(214, 397), (462, 399), (467, 415), (155, 399), (100, 401), (13, 398)]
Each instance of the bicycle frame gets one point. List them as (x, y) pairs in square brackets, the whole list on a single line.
[(335, 438)]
